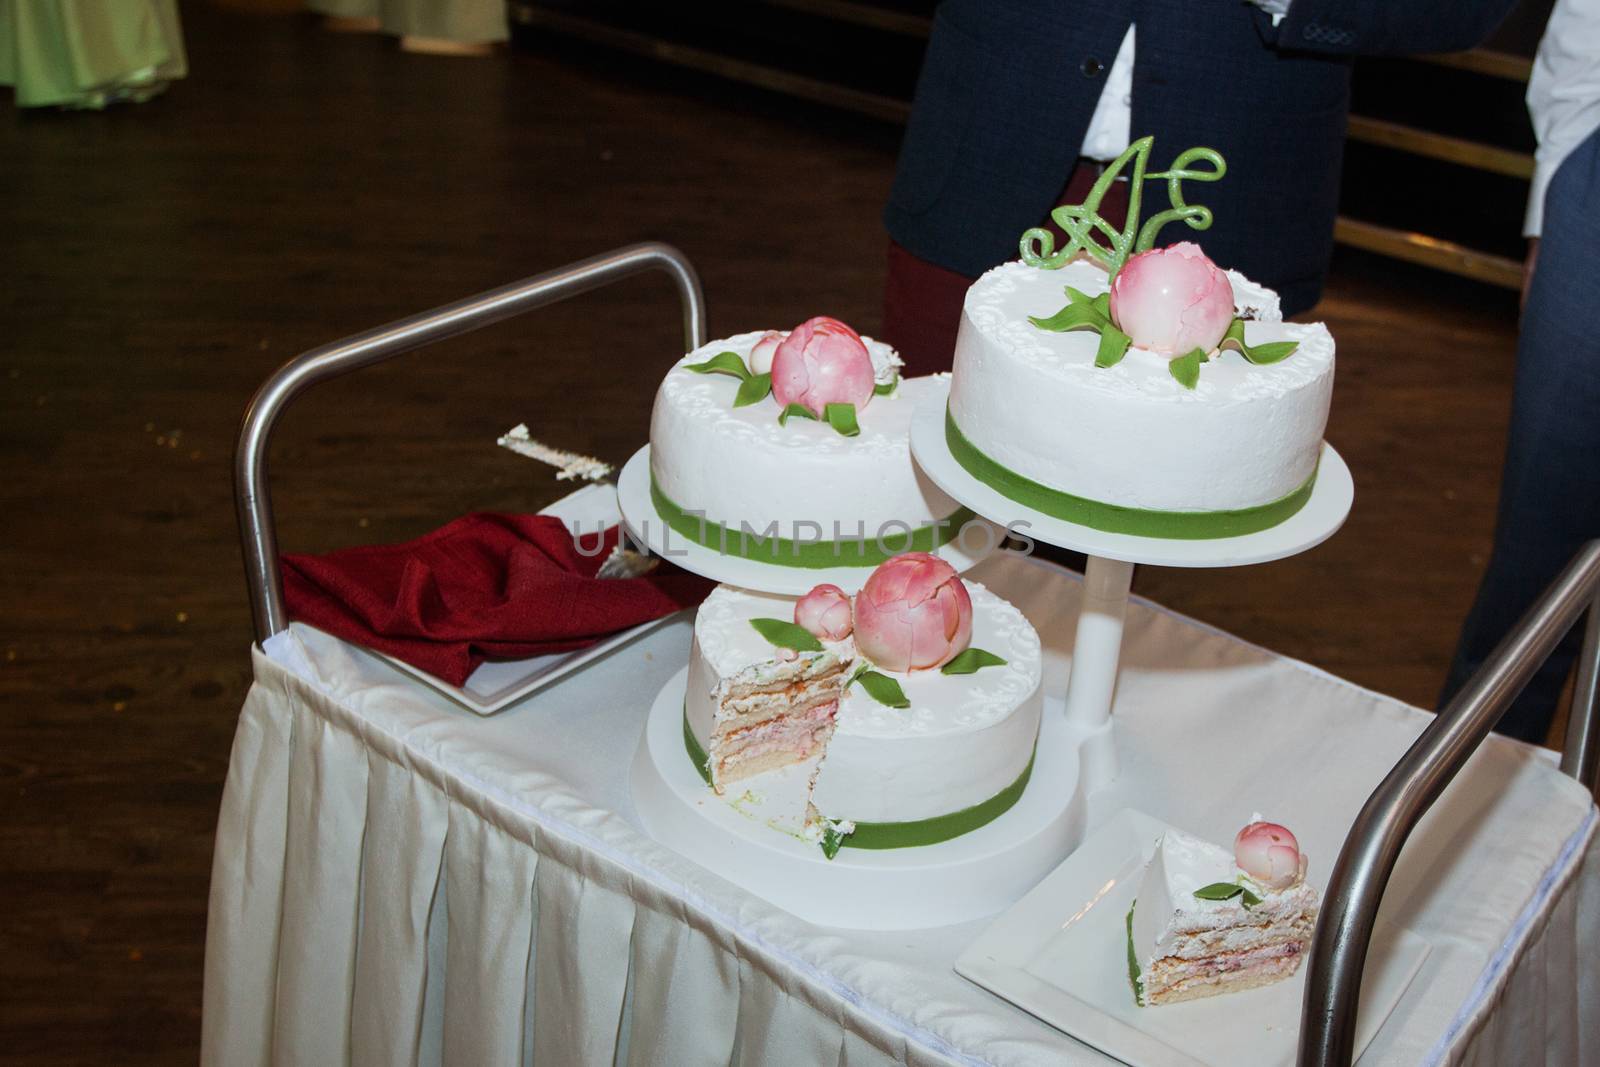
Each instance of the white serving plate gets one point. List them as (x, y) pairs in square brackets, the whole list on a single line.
[(1320, 518), (977, 541), (1060, 953), (500, 683)]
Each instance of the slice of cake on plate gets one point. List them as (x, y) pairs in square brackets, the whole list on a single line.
[(904, 716), (1207, 921)]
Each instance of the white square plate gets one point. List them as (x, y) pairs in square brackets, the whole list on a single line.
[(1060, 953), (499, 683)]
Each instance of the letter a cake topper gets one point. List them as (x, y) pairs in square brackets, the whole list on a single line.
[(1081, 222)]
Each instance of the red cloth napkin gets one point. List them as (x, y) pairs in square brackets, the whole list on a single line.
[(487, 586)]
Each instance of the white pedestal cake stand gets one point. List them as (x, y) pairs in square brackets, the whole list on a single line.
[(973, 543), (1108, 576)]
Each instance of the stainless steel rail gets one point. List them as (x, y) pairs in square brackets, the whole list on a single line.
[(1355, 888), (252, 497)]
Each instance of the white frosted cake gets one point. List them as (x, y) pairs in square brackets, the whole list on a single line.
[(956, 756), (1130, 447), (718, 469), (1203, 925)]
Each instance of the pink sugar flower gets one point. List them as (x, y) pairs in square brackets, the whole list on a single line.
[(824, 612), (1172, 300), (1270, 855), (913, 613), (822, 362)]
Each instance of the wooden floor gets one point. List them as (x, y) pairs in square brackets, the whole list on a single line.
[(156, 263)]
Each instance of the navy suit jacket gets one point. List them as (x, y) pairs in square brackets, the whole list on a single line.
[(1008, 86)]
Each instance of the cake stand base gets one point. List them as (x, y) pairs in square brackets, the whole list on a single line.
[(1108, 576), (968, 877)]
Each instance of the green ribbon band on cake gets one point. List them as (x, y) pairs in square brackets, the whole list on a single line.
[(1115, 518), (809, 555), (882, 835)]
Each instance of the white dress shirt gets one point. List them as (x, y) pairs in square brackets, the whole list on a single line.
[(1563, 95), (1109, 129)]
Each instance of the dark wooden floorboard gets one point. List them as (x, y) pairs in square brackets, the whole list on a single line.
[(157, 262)]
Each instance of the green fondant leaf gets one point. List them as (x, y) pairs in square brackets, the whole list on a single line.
[(787, 635), (1271, 351), (1235, 334), (971, 661), (880, 687), (1187, 368), (1134, 975), (885, 388), (797, 411), (1072, 317), (1219, 891), (1102, 304), (842, 417), (753, 390), (1262, 354), (721, 363), (832, 840), (1078, 296), (1250, 899), (1113, 346)]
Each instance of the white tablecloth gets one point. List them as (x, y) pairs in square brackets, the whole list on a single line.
[(398, 880)]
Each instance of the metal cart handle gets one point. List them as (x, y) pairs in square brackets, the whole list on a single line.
[(252, 499), (1355, 888)]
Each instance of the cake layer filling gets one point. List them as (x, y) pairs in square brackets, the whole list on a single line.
[(779, 741), (775, 719), (1170, 980), (1233, 939), (741, 713)]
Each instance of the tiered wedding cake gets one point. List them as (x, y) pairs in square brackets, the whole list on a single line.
[(904, 715), (1110, 384)]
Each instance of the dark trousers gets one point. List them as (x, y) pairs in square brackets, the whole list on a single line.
[(1550, 487), (922, 301)]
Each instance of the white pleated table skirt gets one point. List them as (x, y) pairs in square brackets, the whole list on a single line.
[(399, 881)]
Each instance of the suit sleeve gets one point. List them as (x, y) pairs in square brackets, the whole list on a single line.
[(1383, 27)]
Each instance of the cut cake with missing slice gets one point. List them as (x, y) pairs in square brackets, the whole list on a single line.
[(775, 713)]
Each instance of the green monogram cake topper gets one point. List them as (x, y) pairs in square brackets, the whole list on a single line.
[(1082, 222)]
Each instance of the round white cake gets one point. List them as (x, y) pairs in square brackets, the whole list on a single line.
[(797, 493), (956, 758), (1127, 447)]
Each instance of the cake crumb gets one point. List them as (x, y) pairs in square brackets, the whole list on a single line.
[(569, 465)]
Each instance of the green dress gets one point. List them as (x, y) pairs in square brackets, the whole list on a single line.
[(89, 53)]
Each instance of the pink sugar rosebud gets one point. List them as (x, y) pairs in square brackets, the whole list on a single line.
[(824, 612), (761, 355), (913, 613), (1172, 300), (1269, 854), (822, 362)]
